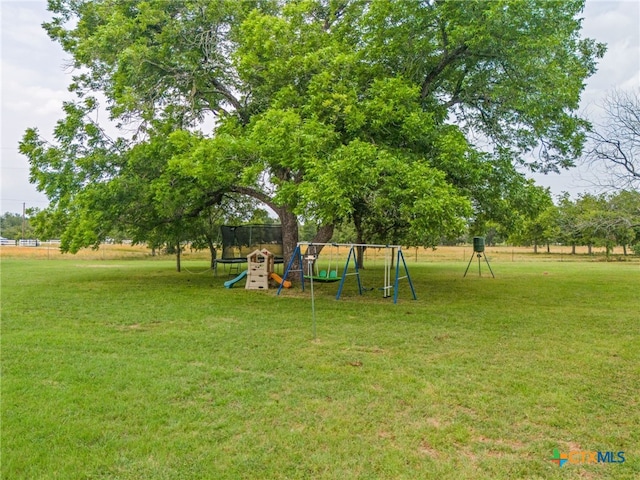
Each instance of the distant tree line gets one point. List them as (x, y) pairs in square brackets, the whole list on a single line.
[(602, 220), (12, 226), (591, 220)]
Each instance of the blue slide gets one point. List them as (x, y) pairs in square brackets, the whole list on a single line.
[(233, 281)]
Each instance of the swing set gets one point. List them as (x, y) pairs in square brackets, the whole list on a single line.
[(308, 259), (312, 273)]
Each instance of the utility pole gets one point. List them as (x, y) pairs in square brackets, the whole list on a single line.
[(24, 211)]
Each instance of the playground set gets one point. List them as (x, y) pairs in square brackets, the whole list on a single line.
[(306, 265), (260, 271), (260, 246)]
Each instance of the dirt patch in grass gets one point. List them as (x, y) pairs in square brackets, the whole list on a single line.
[(513, 445), (425, 448), (434, 422)]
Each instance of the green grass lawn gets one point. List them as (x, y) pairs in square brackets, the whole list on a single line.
[(129, 370)]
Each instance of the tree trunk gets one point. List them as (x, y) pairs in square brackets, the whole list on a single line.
[(357, 223), (213, 251), (548, 247), (535, 247), (289, 222), (589, 249), (360, 256), (178, 250), (573, 249), (288, 219), (624, 249), (324, 234)]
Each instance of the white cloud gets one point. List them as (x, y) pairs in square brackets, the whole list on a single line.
[(38, 101), (23, 92), (618, 25)]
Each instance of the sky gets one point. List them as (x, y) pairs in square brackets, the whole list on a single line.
[(34, 75)]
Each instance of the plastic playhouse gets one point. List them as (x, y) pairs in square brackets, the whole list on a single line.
[(261, 264)]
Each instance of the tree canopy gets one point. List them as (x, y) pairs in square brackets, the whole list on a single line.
[(408, 118)]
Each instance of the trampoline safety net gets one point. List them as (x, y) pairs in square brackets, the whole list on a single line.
[(239, 241)]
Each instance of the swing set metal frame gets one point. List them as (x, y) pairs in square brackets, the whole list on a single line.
[(388, 289)]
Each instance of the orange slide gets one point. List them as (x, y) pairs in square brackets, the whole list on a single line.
[(278, 279)]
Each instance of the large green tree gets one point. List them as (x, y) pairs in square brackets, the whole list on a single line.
[(568, 222), (609, 219), (407, 118), (538, 225)]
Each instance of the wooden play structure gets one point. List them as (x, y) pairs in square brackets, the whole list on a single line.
[(261, 269)]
